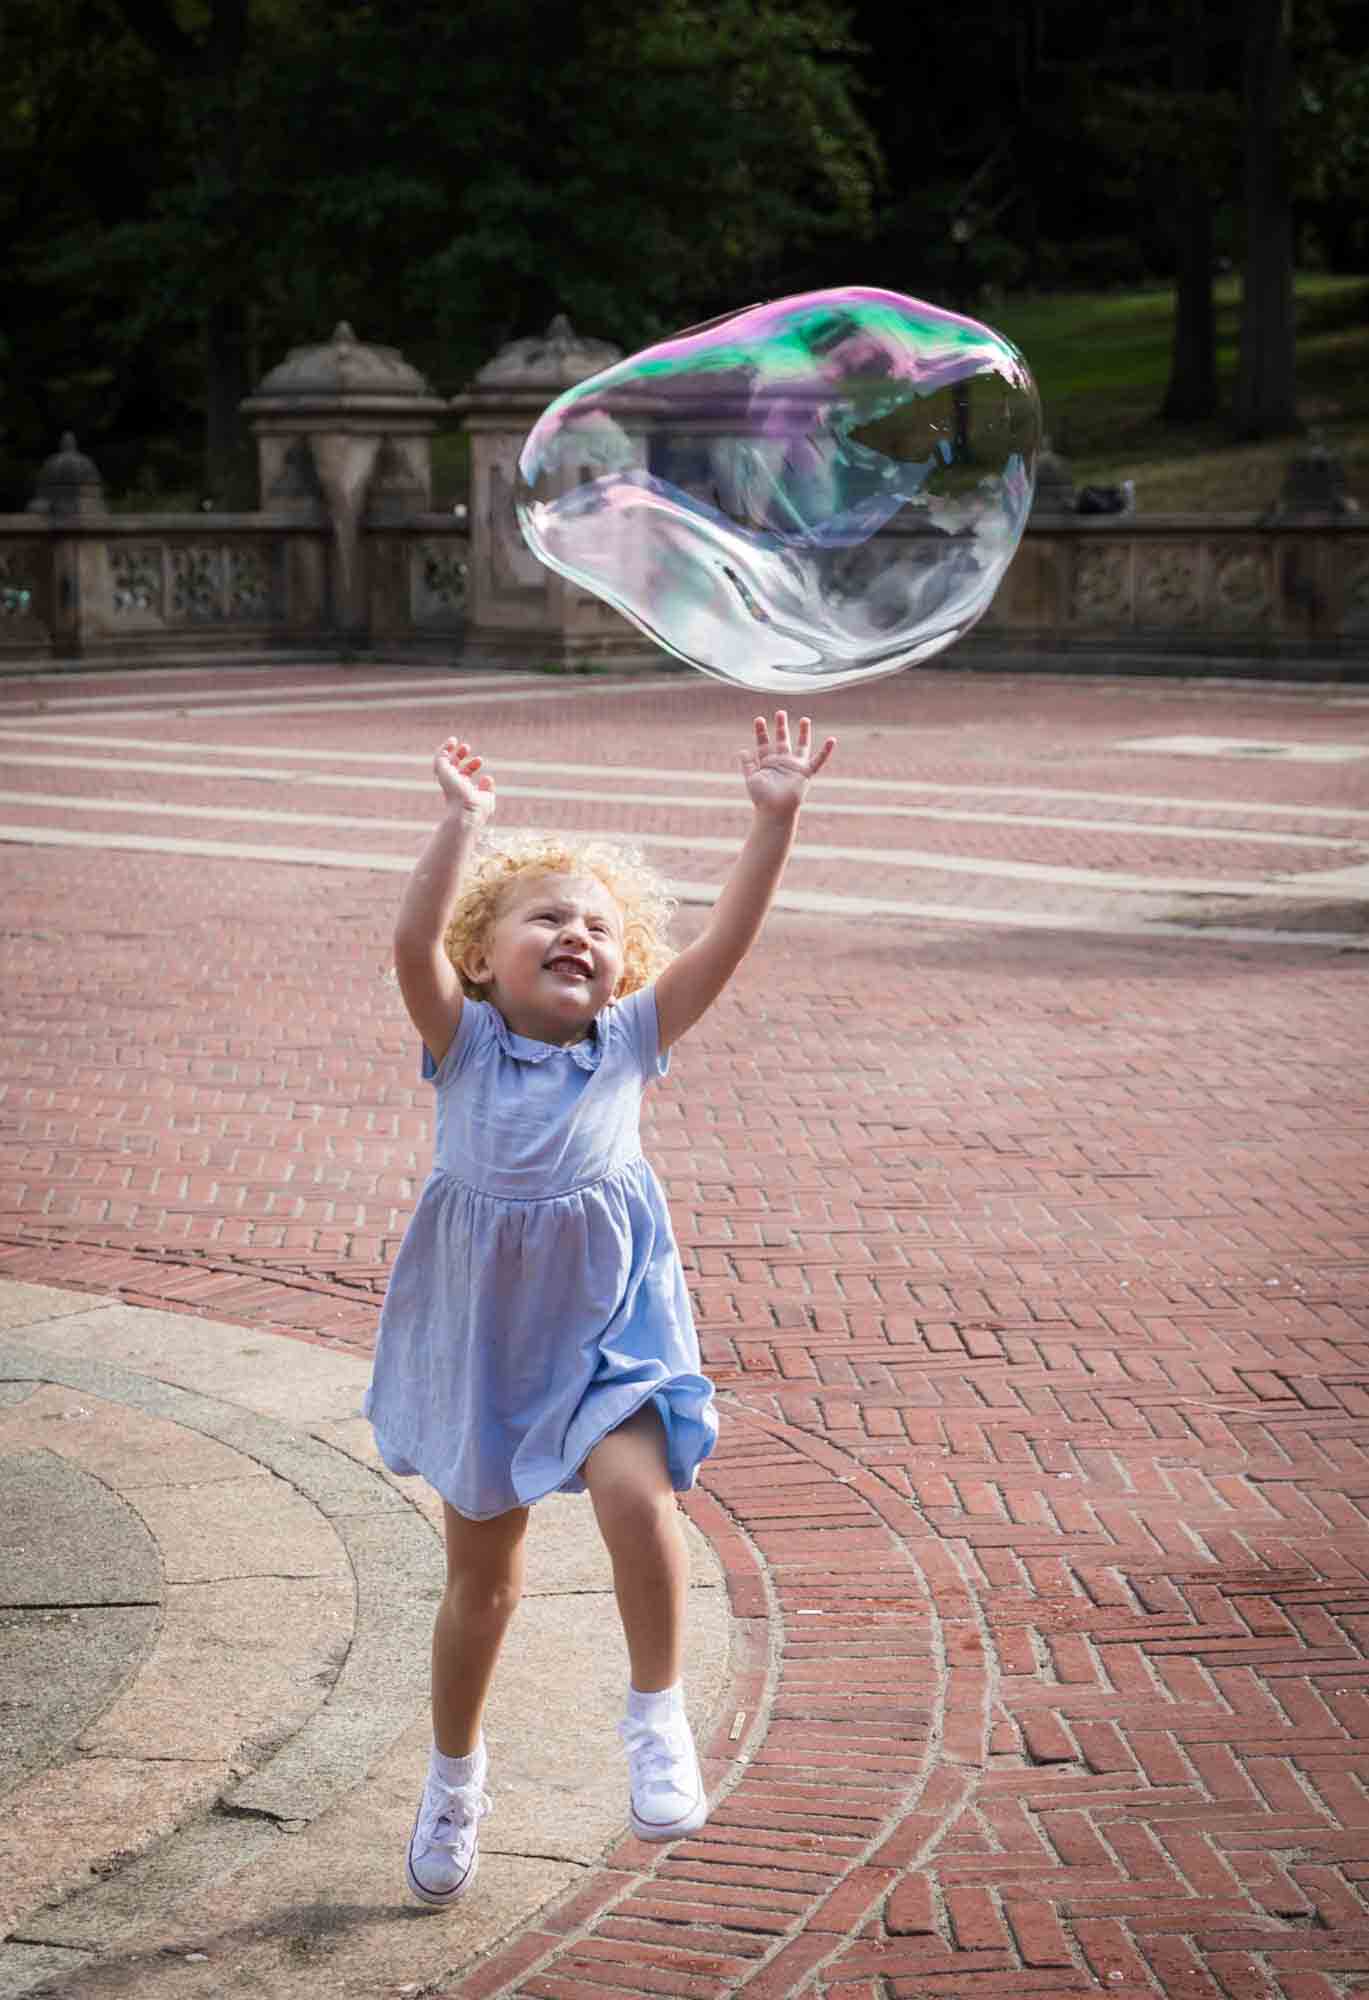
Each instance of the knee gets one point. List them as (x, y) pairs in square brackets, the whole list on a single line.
[(636, 1518), (481, 1600)]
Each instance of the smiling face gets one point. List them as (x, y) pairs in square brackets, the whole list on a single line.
[(554, 956)]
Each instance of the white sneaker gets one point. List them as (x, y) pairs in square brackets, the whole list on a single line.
[(443, 1853), (663, 1772)]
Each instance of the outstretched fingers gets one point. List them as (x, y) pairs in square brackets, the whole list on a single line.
[(819, 757), (801, 748), (460, 769)]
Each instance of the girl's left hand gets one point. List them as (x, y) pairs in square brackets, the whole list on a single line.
[(777, 772)]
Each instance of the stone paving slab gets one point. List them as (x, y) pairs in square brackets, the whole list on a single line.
[(241, 1766), (1030, 1258), (64, 1539), (57, 1668)]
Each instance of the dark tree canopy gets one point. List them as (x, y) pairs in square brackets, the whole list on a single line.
[(233, 178), (1266, 391), (189, 187)]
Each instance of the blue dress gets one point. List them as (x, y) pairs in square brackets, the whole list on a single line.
[(538, 1297)]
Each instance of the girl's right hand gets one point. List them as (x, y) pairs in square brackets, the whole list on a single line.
[(464, 780)]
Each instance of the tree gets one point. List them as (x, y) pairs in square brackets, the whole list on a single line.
[(81, 143), (1331, 129), (1191, 393), (207, 75), (625, 165), (1266, 388), (446, 177)]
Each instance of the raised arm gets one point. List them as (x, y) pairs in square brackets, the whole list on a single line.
[(427, 977), (777, 775)]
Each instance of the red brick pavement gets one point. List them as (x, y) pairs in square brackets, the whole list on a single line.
[(1033, 1269)]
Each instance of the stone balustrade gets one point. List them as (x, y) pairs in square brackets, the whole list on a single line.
[(1221, 585), (109, 584), (1217, 584), (347, 552)]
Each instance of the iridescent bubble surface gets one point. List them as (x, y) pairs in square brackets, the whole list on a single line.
[(805, 494)]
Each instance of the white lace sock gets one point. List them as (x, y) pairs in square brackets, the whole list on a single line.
[(656, 1706), (457, 1770)]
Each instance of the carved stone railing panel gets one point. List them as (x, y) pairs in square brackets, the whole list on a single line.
[(221, 583), (1242, 586), (439, 573), (1189, 583), (20, 587), (1169, 584), (1102, 586), (1149, 584), (1356, 616), (165, 584), (137, 581), (250, 579), (196, 584)]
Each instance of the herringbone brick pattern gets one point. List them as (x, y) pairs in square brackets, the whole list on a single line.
[(1034, 1272)]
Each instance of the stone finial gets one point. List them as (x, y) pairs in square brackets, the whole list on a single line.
[(1054, 483), (68, 482), (547, 362), (342, 372), (1313, 485), (320, 418)]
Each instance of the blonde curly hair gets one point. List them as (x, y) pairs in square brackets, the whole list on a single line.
[(640, 893)]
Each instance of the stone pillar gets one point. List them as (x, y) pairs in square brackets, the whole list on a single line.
[(1030, 602), (1313, 487), (72, 573), (1055, 492), (68, 483), (1310, 556), (344, 433), (519, 611)]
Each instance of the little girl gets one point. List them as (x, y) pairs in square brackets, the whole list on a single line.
[(537, 1334)]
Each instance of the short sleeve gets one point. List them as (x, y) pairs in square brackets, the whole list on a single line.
[(468, 1031), (636, 1019)]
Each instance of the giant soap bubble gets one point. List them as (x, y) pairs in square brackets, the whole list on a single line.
[(801, 495)]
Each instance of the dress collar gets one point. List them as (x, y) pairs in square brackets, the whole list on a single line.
[(522, 1048)]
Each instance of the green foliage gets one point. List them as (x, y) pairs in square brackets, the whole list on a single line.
[(1100, 361), (81, 129), (444, 177), (190, 187), (626, 167)]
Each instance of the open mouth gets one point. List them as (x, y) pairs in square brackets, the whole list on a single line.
[(575, 967)]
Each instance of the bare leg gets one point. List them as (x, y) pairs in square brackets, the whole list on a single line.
[(629, 1483), (484, 1584)]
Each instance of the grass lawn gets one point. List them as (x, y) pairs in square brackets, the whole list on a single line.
[(1101, 362)]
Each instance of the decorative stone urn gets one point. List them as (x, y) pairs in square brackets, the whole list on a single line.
[(1055, 492), (68, 483), (1313, 486), (344, 430), (517, 608)]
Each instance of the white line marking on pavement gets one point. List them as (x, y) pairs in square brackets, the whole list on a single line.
[(1353, 881), (239, 700), (1275, 748), (815, 808), (799, 901), (607, 774), (175, 666), (226, 850), (533, 688), (1349, 882)]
